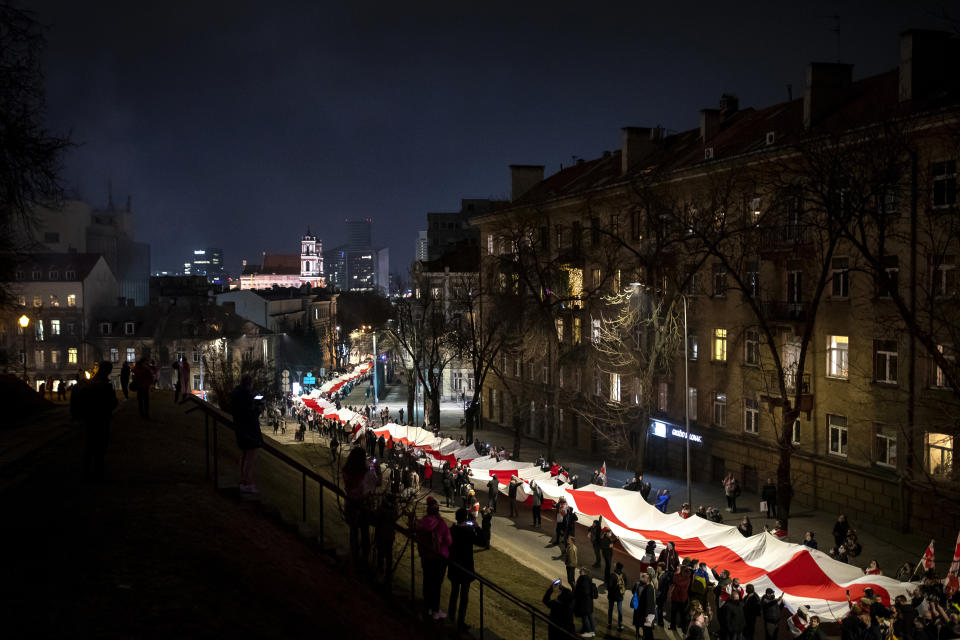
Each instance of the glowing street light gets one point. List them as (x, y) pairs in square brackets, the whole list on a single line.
[(24, 323)]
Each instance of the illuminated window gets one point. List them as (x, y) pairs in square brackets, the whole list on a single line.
[(751, 415), (39, 325), (692, 403), (614, 387), (114, 354), (54, 300), (616, 281), (837, 434), (38, 358), (838, 356), (72, 300), (576, 331), (72, 355), (37, 301), (596, 277), (131, 354), (754, 211), (54, 327), (595, 329), (939, 454), (720, 345), (560, 329), (795, 437), (54, 357)]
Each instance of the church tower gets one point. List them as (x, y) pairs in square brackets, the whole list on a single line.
[(311, 259)]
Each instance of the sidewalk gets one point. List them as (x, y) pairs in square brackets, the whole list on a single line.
[(888, 546)]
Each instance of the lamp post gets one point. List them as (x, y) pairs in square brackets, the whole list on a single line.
[(376, 397), (24, 323), (686, 399)]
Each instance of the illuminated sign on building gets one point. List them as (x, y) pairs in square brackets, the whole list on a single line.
[(660, 430)]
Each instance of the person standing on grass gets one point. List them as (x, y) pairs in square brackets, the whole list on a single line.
[(246, 421), (571, 561), (584, 593), (561, 612), (92, 403), (433, 541), (464, 536)]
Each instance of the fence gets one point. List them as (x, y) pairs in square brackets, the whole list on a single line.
[(318, 491)]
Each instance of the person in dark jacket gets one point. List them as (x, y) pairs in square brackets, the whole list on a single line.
[(584, 593), (143, 376), (840, 529), (246, 421), (669, 558), (460, 571), (493, 490), (92, 403), (594, 534), (679, 594), (125, 379), (606, 550), (770, 611), (751, 611), (616, 589), (536, 499), (512, 495), (561, 611), (732, 618), (645, 615), (812, 631), (769, 495), (745, 527)]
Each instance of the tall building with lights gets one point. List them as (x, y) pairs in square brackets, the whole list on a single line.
[(206, 262)]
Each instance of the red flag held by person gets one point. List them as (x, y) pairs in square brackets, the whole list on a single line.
[(951, 584), (928, 557)]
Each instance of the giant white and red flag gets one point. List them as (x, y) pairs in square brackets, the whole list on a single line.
[(951, 583)]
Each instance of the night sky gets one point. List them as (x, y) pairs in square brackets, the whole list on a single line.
[(237, 124)]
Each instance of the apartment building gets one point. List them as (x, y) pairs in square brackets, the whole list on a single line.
[(812, 245)]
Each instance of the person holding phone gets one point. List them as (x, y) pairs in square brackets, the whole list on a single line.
[(561, 611), (464, 536)]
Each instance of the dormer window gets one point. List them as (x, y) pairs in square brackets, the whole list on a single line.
[(37, 274), (104, 328), (70, 274), (54, 275)]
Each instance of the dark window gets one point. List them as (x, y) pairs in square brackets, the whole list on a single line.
[(595, 231), (51, 236), (944, 183)]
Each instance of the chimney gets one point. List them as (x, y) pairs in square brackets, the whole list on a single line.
[(709, 124), (524, 177), (827, 84), (924, 57), (637, 141), (729, 105)]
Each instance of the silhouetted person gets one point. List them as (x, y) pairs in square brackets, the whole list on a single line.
[(125, 379), (143, 374), (92, 403), (460, 572), (246, 421)]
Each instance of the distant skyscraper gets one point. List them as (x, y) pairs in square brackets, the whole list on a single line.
[(422, 251), (358, 234), (206, 262)]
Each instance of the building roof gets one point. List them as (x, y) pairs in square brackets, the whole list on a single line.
[(864, 102), (166, 322), (465, 261), (81, 264), (277, 264)]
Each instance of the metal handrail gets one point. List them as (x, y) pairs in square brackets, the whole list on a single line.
[(220, 416)]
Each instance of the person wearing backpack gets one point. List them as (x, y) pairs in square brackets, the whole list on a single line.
[(616, 589), (644, 607)]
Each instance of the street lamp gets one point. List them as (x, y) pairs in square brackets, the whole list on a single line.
[(686, 397), (24, 323)]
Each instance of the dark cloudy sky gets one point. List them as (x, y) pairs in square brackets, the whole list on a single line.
[(237, 124)]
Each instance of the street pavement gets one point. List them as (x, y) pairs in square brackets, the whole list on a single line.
[(888, 546)]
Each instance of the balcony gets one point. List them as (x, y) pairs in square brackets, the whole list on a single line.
[(781, 311), (784, 238)]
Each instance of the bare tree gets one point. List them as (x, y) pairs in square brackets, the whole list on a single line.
[(30, 161)]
